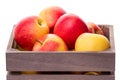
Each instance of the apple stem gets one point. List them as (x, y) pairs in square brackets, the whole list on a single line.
[(39, 42), (39, 23)]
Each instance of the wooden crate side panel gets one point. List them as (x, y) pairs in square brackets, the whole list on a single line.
[(60, 77), (112, 38), (60, 62)]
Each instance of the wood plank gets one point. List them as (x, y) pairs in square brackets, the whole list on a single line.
[(60, 77), (60, 61)]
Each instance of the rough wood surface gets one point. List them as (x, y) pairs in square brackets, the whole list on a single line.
[(62, 61), (60, 77)]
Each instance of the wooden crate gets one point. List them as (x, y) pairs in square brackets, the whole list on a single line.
[(61, 61), (60, 77)]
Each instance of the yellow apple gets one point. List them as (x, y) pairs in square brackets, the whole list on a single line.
[(91, 42)]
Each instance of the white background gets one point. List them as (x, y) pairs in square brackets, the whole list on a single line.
[(97, 11)]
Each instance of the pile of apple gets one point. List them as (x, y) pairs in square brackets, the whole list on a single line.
[(56, 30)]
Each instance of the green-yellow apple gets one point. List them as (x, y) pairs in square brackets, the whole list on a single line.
[(93, 28), (69, 26), (50, 42), (91, 42), (51, 15), (28, 30)]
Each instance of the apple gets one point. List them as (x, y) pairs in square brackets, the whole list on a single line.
[(93, 28), (51, 15), (29, 72), (92, 73), (50, 42), (28, 30), (69, 26), (92, 42)]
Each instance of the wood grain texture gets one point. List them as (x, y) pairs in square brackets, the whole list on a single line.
[(60, 77), (62, 61)]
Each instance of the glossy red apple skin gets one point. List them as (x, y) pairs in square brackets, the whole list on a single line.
[(51, 14), (28, 30), (69, 27), (50, 42), (93, 28)]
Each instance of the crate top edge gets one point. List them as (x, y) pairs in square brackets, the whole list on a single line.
[(59, 52)]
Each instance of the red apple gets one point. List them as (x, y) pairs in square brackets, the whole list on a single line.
[(51, 14), (28, 30), (50, 42), (93, 28), (69, 27)]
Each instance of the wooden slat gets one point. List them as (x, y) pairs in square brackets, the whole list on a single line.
[(60, 62), (60, 77)]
